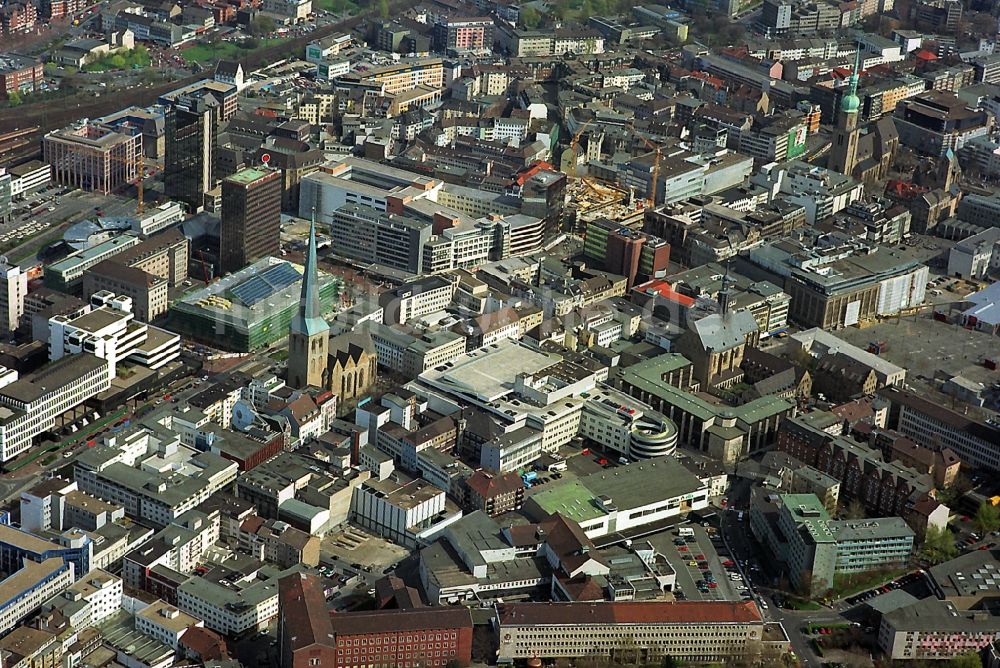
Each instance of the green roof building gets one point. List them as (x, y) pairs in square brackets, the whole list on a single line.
[(250, 309), (798, 531), (726, 432)]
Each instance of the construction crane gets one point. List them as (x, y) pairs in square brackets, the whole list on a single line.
[(572, 148), (657, 149)]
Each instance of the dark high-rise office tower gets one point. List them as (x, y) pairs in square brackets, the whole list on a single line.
[(191, 133), (251, 218)]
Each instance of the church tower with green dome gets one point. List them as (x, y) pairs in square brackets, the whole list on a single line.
[(844, 152)]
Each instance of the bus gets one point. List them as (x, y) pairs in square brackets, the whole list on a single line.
[(684, 532)]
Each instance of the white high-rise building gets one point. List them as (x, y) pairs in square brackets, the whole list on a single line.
[(13, 289)]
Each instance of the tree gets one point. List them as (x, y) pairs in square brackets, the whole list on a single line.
[(531, 18), (855, 510), (383, 8), (967, 660), (987, 518), (14, 98), (805, 584), (939, 545), (262, 25)]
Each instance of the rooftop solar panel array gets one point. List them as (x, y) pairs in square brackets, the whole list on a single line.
[(265, 284)]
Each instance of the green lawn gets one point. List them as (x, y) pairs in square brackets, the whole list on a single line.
[(798, 604), (336, 6), (201, 53)]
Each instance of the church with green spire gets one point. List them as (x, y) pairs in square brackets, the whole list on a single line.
[(844, 150), (308, 334), (861, 152)]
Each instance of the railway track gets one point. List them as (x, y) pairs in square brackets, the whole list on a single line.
[(50, 115)]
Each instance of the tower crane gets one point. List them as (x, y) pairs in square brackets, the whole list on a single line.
[(573, 144), (657, 149)]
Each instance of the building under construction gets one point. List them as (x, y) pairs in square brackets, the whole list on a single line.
[(91, 157), (589, 199)]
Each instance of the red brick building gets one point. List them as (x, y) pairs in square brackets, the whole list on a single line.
[(885, 488), (248, 449), (305, 635), (19, 74), (16, 17), (57, 9), (420, 638), (310, 635), (223, 12)]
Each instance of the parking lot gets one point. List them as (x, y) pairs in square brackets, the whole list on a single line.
[(930, 350), (695, 556), (579, 463), (914, 583), (44, 214)]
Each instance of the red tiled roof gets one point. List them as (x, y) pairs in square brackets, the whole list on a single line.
[(525, 535), (582, 588), (252, 524), (665, 612), (663, 289), (488, 485), (531, 171), (852, 411), (205, 643), (302, 408), (569, 543), (381, 621), (708, 78), (305, 618), (904, 189)]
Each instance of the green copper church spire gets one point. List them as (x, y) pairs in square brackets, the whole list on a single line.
[(309, 319), (850, 104)]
